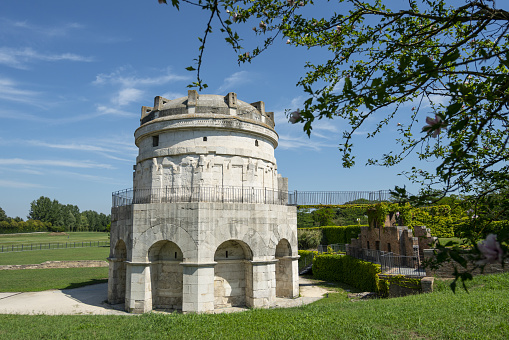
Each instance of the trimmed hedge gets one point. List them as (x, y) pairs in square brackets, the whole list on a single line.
[(309, 238), (306, 257), (340, 234), (343, 268)]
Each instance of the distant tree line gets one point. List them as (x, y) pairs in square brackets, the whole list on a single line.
[(50, 215)]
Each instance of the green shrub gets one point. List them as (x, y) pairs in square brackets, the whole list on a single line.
[(437, 218), (340, 234), (343, 268), (11, 226), (397, 280), (309, 238), (306, 257)]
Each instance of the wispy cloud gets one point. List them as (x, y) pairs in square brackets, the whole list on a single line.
[(10, 90), (88, 177), (128, 81), (108, 110), (107, 152), (235, 80), (19, 58), (57, 163), (127, 96), (18, 185), (326, 125), (58, 30), (173, 95), (302, 142)]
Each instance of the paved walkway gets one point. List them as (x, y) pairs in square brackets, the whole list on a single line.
[(92, 300)]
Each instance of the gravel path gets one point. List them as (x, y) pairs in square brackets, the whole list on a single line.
[(92, 300)]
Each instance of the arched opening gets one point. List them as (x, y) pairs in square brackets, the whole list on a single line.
[(232, 273), (118, 287), (284, 274), (166, 275)]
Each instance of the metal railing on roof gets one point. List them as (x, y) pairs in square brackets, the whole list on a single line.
[(230, 194)]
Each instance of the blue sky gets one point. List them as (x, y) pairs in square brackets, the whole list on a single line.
[(73, 78)]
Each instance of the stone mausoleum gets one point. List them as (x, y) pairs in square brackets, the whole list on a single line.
[(206, 225)]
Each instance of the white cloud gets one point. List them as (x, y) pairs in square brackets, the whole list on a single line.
[(117, 78), (88, 177), (303, 142), (9, 90), (18, 58), (108, 110), (107, 152), (47, 31), (325, 125), (173, 95), (235, 80), (56, 163), (18, 185), (127, 96)]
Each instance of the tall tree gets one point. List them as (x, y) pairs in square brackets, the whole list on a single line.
[(3, 215), (447, 60)]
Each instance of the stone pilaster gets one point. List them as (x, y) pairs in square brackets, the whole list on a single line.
[(138, 288), (263, 282), (198, 283)]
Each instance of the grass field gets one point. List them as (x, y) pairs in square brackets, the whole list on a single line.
[(39, 256), (33, 280), (480, 314), (13, 239)]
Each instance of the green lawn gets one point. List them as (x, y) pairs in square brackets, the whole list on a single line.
[(480, 314), (36, 238), (39, 256), (33, 280)]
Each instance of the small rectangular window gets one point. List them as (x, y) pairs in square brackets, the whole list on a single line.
[(204, 139), (155, 140)]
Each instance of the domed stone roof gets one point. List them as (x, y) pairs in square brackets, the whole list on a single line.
[(207, 104)]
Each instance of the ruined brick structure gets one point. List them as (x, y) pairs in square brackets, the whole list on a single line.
[(399, 240)]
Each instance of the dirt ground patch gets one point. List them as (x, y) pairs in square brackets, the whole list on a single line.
[(58, 234), (57, 264)]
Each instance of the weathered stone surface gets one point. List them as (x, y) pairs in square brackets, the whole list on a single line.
[(213, 251)]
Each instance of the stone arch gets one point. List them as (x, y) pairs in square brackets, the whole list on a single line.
[(166, 275), (232, 274), (284, 273), (117, 286)]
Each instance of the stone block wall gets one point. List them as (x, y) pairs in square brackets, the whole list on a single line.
[(398, 239), (446, 269), (196, 257)]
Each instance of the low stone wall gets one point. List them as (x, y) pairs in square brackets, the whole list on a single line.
[(446, 269), (57, 264), (406, 286)]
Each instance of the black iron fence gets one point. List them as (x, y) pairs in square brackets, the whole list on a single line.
[(336, 248), (199, 194), (337, 197), (244, 195), (391, 264), (52, 245)]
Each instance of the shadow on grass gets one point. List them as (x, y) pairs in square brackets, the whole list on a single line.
[(340, 286), (85, 283)]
